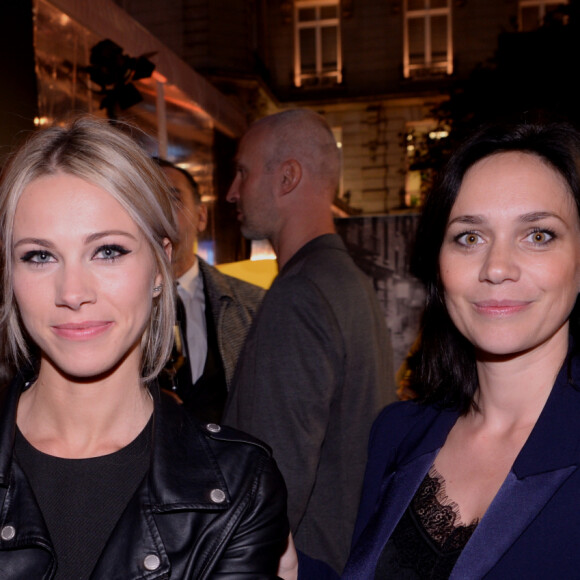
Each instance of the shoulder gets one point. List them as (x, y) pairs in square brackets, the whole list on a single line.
[(244, 461), (233, 450), (177, 422), (320, 256), (402, 426), (400, 416), (326, 264), (395, 421), (221, 285), (219, 436)]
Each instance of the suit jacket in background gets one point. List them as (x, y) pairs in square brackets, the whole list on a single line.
[(233, 304), (314, 373), (230, 306), (531, 529)]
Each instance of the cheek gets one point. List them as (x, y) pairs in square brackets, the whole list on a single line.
[(133, 286), (450, 280), (30, 297)]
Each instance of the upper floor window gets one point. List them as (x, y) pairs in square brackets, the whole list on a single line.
[(427, 37), (531, 13), (317, 52)]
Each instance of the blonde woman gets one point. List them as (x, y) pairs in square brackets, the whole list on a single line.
[(101, 475)]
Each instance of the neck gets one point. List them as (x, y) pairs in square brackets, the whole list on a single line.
[(183, 264), (66, 418), (292, 237), (516, 389)]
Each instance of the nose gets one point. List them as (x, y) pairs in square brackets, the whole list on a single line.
[(233, 194), (500, 263), (74, 288)]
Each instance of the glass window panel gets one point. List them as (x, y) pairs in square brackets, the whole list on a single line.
[(439, 3), (417, 40), (415, 5), (306, 14), (439, 37), (307, 50), (329, 48), (328, 11), (550, 8)]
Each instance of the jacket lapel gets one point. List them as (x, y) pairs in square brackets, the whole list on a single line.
[(513, 509), (399, 488), (417, 453), (182, 476), (548, 458)]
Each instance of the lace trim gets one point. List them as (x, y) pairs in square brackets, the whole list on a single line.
[(439, 515)]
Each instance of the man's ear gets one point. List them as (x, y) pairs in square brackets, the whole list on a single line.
[(291, 175), (201, 218), (168, 247)]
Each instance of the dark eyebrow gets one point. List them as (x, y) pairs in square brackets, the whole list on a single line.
[(467, 219), (538, 215), (525, 218), (89, 239)]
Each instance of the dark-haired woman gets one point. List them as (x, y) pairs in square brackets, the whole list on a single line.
[(480, 478)]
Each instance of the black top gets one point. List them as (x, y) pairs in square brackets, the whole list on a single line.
[(82, 499), (427, 541)]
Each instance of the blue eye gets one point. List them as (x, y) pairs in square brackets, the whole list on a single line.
[(38, 257), (110, 252)]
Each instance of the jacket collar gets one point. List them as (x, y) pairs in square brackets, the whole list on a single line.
[(323, 242), (183, 472), (215, 283), (549, 456), (558, 422), (9, 395)]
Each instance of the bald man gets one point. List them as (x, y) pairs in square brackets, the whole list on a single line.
[(316, 367)]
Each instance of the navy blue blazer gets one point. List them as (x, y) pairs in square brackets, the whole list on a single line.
[(532, 527)]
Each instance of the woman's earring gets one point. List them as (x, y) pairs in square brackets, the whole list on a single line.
[(157, 289)]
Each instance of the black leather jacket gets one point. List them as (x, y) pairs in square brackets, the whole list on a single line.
[(213, 505)]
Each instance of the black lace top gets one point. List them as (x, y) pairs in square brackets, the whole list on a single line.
[(427, 540)]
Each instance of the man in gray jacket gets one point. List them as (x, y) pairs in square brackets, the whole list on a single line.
[(317, 364), (214, 313)]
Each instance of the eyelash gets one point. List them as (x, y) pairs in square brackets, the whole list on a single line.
[(458, 237), (547, 231), (552, 235), (33, 255), (120, 251)]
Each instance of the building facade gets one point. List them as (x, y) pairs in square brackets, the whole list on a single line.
[(374, 68)]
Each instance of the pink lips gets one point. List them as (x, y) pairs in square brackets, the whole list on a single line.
[(82, 330), (500, 308)]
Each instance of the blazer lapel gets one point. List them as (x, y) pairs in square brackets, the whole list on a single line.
[(416, 457), (548, 458), (513, 509), (398, 490)]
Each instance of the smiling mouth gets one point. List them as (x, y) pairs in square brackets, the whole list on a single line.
[(500, 308), (82, 330)]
